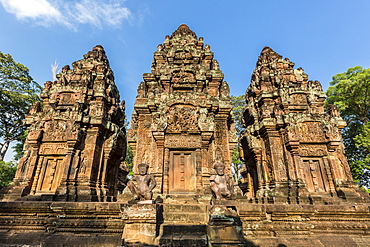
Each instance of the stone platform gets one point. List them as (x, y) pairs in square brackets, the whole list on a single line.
[(106, 224)]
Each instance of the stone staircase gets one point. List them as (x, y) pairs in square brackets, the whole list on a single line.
[(195, 225), (184, 225), (10, 193), (184, 235)]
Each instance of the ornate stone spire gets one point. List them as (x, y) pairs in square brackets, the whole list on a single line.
[(182, 124), (291, 147), (76, 141), (183, 64)]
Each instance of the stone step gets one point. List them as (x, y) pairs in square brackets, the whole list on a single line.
[(194, 208), (183, 235), (182, 213), (10, 193), (186, 217)]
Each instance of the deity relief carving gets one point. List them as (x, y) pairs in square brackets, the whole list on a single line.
[(159, 122), (206, 120), (182, 118), (24, 161), (311, 132), (183, 77), (344, 167), (152, 88)]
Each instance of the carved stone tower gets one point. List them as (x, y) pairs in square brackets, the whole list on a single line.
[(182, 123), (293, 150), (76, 139)]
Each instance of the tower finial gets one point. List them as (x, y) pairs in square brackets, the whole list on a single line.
[(183, 26), (183, 29)]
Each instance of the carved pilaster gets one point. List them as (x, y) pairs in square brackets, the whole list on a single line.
[(160, 153), (166, 163)]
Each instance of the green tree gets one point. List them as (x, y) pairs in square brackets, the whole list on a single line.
[(350, 92), (237, 164), (18, 91), (7, 172), (238, 103), (129, 160)]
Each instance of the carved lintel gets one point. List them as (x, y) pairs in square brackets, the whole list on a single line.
[(53, 149), (308, 150), (183, 141)]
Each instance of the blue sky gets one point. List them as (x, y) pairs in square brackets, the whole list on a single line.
[(323, 37)]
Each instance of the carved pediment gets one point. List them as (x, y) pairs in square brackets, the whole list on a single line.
[(182, 118)]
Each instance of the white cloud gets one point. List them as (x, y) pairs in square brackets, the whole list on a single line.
[(40, 11), (69, 13), (98, 13)]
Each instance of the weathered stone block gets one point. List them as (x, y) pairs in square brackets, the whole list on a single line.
[(140, 233)]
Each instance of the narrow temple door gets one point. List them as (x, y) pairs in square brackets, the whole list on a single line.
[(316, 178), (50, 175), (182, 173)]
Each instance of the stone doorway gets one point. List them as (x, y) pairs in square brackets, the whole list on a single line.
[(182, 175), (50, 175), (315, 175)]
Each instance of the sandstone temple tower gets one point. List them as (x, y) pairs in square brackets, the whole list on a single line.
[(76, 139), (293, 150), (182, 123)]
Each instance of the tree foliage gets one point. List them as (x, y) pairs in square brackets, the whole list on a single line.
[(350, 92), (238, 103), (129, 160), (236, 164), (7, 172), (18, 91)]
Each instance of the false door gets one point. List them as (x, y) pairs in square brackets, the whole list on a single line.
[(50, 175), (315, 175), (182, 172)]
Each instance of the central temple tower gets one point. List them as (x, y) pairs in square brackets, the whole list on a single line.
[(182, 122)]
